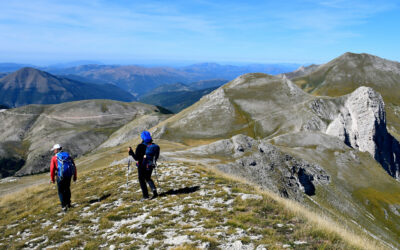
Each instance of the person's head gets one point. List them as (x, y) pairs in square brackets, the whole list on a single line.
[(56, 148), (146, 136)]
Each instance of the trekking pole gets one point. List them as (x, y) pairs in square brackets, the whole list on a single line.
[(127, 173), (155, 171)]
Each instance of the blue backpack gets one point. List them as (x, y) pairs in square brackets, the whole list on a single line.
[(152, 154), (65, 165)]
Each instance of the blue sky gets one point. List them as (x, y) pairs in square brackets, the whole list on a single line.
[(301, 31)]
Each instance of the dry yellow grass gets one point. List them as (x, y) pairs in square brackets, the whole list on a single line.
[(318, 221)]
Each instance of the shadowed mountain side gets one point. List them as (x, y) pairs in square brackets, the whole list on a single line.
[(32, 86), (29, 132), (176, 100)]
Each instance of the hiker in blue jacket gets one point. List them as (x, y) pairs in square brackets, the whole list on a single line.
[(146, 154)]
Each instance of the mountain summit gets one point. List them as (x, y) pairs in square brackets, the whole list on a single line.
[(350, 71), (32, 86)]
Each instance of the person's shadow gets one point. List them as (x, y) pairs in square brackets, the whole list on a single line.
[(103, 197), (185, 190)]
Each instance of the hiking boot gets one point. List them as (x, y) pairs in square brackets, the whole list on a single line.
[(155, 195), (64, 209), (144, 198)]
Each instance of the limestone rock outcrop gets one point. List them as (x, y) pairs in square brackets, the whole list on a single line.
[(361, 124)]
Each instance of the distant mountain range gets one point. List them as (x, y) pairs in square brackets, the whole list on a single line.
[(176, 101), (32, 86), (178, 96), (139, 80), (11, 67)]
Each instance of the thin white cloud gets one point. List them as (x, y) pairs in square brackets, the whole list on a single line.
[(180, 28)]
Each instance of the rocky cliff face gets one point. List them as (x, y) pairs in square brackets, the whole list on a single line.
[(361, 124), (345, 74), (264, 164)]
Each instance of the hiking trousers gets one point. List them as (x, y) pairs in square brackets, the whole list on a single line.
[(144, 174), (64, 191)]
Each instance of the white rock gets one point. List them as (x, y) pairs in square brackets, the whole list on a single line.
[(251, 196), (178, 240)]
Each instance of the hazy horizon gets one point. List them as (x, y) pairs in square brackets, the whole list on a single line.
[(185, 32), (148, 64)]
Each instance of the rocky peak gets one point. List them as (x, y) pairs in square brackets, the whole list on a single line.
[(28, 78), (361, 124)]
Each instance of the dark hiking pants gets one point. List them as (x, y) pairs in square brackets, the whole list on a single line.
[(145, 176), (64, 191)]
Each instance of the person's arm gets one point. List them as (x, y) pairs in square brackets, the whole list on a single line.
[(140, 152), (75, 173), (53, 168), (157, 153), (130, 152)]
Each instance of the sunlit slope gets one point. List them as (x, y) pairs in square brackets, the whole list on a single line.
[(297, 141), (348, 72), (196, 208), (28, 133)]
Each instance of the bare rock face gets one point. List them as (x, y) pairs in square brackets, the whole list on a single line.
[(361, 124), (263, 164), (282, 173)]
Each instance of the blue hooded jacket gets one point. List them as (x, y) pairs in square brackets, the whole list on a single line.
[(146, 136)]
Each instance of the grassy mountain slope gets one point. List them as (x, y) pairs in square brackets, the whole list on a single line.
[(346, 184), (301, 71), (32, 86), (29, 132), (197, 208), (350, 71), (242, 106), (292, 125)]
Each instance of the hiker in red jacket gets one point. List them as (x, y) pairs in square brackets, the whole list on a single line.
[(62, 168)]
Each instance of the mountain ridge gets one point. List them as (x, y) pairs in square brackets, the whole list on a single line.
[(267, 130), (32, 86), (29, 132)]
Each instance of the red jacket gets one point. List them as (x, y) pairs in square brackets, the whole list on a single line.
[(53, 168)]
